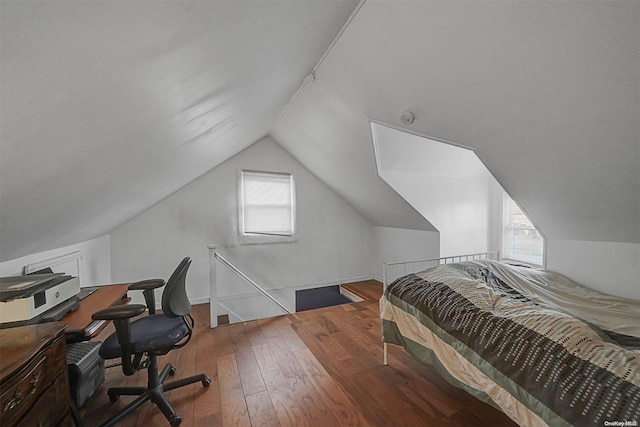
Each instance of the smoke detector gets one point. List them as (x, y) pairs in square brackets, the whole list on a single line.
[(407, 118)]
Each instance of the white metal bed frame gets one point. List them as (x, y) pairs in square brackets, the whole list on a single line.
[(393, 270)]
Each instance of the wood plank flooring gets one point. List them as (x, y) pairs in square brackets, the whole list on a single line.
[(314, 368)]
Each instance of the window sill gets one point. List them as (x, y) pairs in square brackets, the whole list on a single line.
[(261, 240)]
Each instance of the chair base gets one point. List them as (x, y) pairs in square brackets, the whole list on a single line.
[(153, 392)]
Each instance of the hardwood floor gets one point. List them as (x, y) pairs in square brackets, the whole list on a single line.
[(314, 368)]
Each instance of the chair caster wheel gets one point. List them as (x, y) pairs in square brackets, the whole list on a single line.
[(175, 420), (172, 372), (113, 397), (206, 382)]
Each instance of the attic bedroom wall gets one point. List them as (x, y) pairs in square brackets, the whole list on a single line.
[(95, 264), (335, 243), (610, 267), (446, 184)]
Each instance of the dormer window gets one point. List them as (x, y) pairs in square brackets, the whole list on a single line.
[(521, 241)]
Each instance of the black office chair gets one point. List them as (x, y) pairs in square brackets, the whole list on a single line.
[(153, 336)]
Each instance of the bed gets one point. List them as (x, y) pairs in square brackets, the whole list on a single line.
[(532, 343)]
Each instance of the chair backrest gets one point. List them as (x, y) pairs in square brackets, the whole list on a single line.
[(174, 297)]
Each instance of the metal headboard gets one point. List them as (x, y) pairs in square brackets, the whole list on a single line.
[(393, 270)]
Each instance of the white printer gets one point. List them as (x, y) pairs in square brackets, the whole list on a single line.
[(36, 298)]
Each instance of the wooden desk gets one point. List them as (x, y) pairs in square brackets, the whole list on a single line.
[(34, 384), (33, 376), (81, 326)]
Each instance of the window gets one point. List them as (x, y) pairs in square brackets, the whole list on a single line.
[(520, 239), (267, 206)]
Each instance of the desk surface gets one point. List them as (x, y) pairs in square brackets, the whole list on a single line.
[(80, 321)]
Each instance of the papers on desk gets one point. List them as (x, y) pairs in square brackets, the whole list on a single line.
[(22, 286)]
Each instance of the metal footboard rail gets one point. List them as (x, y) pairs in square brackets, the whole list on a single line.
[(214, 257), (402, 268)]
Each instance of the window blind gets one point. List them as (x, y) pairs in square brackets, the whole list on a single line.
[(267, 203), (520, 239)]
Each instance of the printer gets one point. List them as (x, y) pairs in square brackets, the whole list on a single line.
[(39, 297)]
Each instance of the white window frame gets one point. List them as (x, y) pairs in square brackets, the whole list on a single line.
[(266, 237), (505, 252)]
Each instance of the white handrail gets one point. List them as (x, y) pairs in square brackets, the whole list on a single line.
[(217, 256)]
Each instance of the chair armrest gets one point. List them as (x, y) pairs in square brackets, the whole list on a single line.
[(147, 287), (119, 312), (146, 284), (121, 315)]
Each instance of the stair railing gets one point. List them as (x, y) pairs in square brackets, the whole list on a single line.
[(214, 258)]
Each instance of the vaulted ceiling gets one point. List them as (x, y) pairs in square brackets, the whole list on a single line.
[(546, 93), (108, 107)]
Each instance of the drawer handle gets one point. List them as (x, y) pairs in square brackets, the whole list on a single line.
[(11, 404), (34, 381), (18, 395)]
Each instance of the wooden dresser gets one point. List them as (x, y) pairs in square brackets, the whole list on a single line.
[(34, 387)]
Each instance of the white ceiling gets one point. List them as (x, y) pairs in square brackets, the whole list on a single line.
[(108, 107), (547, 94)]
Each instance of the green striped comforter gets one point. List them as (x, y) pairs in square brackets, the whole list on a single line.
[(534, 344)]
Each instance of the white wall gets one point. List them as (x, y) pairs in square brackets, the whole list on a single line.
[(398, 244), (447, 185), (460, 208), (95, 265), (334, 242), (609, 267)]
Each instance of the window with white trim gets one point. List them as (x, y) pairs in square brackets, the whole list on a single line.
[(521, 241), (267, 206)]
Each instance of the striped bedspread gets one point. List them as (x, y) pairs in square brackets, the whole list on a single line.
[(534, 344)]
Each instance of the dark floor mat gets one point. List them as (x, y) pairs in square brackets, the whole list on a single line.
[(308, 299)]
